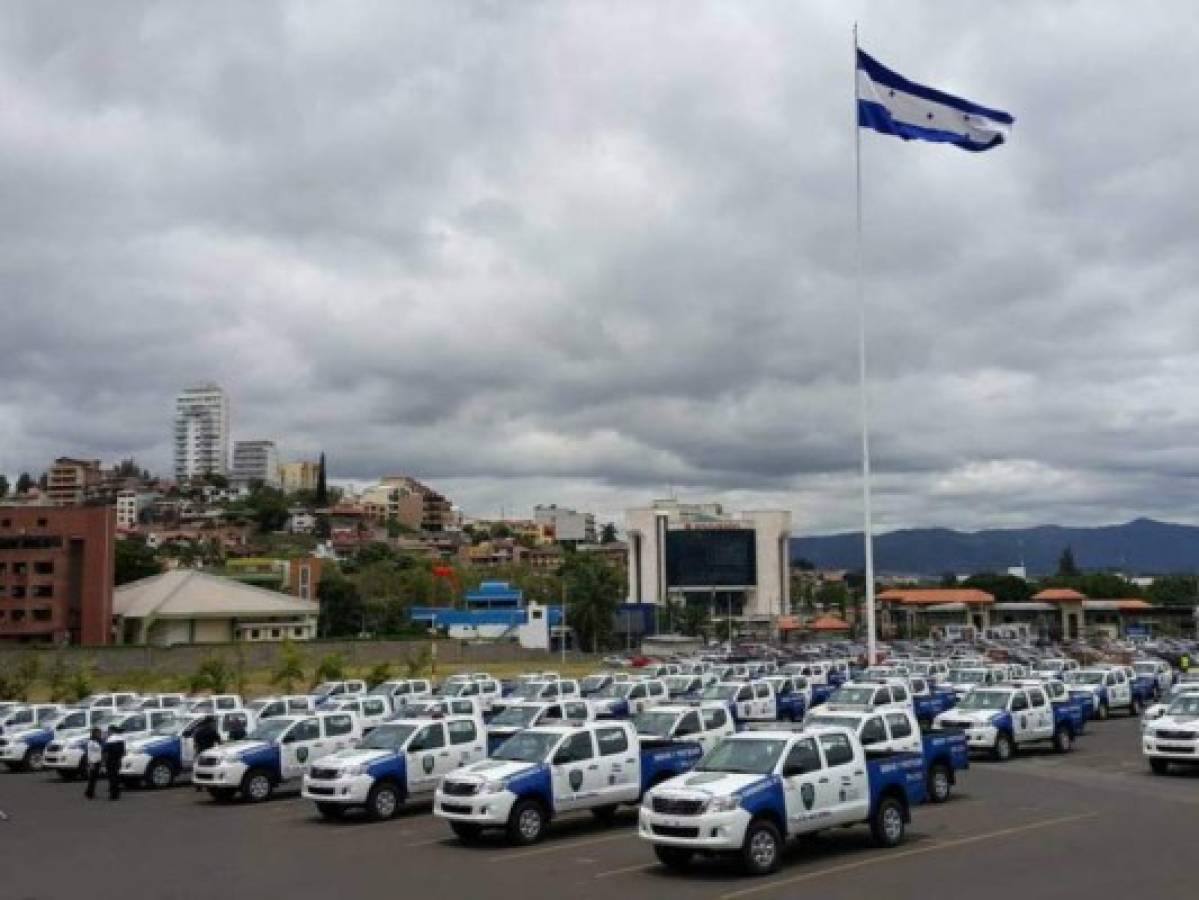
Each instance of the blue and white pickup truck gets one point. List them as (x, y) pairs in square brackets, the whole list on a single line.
[(1110, 689), (944, 753), (1155, 674), (792, 696), (156, 759), (370, 711), (707, 724), (22, 747), (1079, 707), (29, 715), (624, 699), (543, 772), (114, 701), (399, 692), (401, 761), (929, 701), (962, 680), (748, 701), (1173, 737), (757, 789), (1005, 717), (528, 714), (871, 695), (67, 753), (276, 753)]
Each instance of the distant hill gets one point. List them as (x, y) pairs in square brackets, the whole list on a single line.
[(1142, 546)]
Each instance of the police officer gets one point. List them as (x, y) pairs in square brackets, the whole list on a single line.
[(114, 752), (93, 753), (237, 729), (206, 737)]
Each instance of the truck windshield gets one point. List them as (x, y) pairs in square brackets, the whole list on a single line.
[(655, 724), (170, 727), (845, 721), (527, 746), (593, 683), (679, 684), (518, 716), (1085, 677), (743, 757), (388, 737), (720, 691), (325, 688), (968, 676), (853, 696), (985, 700), (617, 690), (1186, 705), (271, 730)]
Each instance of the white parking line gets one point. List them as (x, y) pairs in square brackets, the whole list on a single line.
[(561, 847), (611, 873)]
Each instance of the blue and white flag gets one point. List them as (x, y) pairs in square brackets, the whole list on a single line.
[(889, 103)]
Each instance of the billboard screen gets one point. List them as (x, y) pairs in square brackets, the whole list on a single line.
[(710, 558)]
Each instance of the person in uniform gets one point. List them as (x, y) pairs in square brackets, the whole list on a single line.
[(93, 754), (206, 737), (114, 752)]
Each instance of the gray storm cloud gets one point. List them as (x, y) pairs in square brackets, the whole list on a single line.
[(589, 252)]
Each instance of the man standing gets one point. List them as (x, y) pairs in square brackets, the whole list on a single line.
[(114, 752), (205, 738), (94, 754)]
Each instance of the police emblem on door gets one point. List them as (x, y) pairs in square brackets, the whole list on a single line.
[(427, 764), (807, 793), (576, 779), (302, 754)]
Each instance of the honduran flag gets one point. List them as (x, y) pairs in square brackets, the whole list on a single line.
[(889, 103)]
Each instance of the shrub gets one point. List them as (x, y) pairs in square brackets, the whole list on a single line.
[(79, 683), (378, 674), (332, 667), (24, 675), (420, 665), (58, 679), (290, 667), (212, 675)]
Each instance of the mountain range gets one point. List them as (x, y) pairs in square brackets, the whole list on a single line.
[(1142, 546)]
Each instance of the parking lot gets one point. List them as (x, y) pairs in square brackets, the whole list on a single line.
[(1090, 824)]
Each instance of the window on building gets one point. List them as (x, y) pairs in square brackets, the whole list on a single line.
[(275, 632), (18, 592), (297, 632), (18, 615), (43, 614), (43, 590), (5, 523), (45, 567), (3, 568), (42, 523), (254, 634), (20, 568)]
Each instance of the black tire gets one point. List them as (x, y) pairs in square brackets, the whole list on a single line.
[(383, 801), (466, 832), (1159, 766), (939, 784), (34, 760), (526, 822), (256, 786), (222, 795), (1005, 747), (332, 811), (887, 825), (1102, 712), (677, 858), (160, 774), (70, 774), (605, 814), (1063, 739), (762, 849)]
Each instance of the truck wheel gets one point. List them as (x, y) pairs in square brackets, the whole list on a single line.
[(256, 786), (939, 783), (34, 760), (383, 802), (1134, 707), (526, 822), (466, 832), (160, 774), (760, 852), (1159, 766), (605, 814), (1004, 749), (330, 810), (1063, 741), (677, 858), (887, 825), (1102, 712)]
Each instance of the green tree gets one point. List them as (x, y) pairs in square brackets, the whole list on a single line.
[(832, 595), (332, 667), (608, 533), (289, 668), (80, 683), (322, 484), (1004, 588), (213, 674), (379, 673), (135, 560), (1175, 590), (419, 665), (17, 679), (594, 588), (340, 605), (58, 677), (24, 483), (268, 508), (1066, 565), (696, 619)]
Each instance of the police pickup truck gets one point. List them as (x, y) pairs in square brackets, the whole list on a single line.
[(687, 685), (1155, 674), (747, 701), (1078, 706), (117, 700), (276, 753), (157, 758), (23, 744), (945, 753), (867, 695), (623, 699), (757, 789), (1110, 689), (444, 706), (289, 705), (487, 691), (401, 761), (1174, 736), (707, 724), (963, 680), (402, 690), (543, 772), (1005, 717), (527, 714), (68, 755), (28, 715), (213, 703), (371, 711), (75, 723), (792, 696), (338, 689)]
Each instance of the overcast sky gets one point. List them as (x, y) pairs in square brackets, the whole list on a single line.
[(591, 252)]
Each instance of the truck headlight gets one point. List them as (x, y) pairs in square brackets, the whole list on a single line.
[(492, 787), (723, 804), (353, 770)]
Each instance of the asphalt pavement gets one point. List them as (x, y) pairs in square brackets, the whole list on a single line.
[(1091, 824)]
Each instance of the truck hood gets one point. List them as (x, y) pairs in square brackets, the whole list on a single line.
[(352, 757), (241, 747), (977, 716), (696, 785), (146, 742), (1171, 722), (492, 770), (23, 734)]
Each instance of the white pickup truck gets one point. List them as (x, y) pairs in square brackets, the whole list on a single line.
[(757, 789), (1004, 718), (371, 711), (285, 705), (530, 713), (624, 699), (1173, 737), (276, 753), (542, 772), (401, 761), (155, 759), (706, 723), (68, 756), (401, 691)]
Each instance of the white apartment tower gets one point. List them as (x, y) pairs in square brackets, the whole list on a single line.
[(201, 432), (255, 461)]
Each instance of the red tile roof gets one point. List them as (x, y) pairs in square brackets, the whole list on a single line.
[(931, 596), (828, 623), (1059, 595)]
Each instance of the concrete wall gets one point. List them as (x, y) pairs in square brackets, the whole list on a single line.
[(181, 660)]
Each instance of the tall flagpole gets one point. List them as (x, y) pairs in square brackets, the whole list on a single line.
[(867, 527)]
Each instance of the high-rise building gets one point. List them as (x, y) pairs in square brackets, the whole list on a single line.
[(56, 574), (299, 476), (201, 432), (69, 480), (255, 461), (568, 526)]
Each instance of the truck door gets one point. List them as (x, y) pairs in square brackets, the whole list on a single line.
[(620, 774), (638, 699), (873, 734), (1023, 721), (428, 758), (296, 747), (807, 794), (744, 703), (904, 738), (1118, 688), (716, 726), (338, 734), (767, 707), (844, 780), (574, 772), (468, 742), (1040, 712)]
